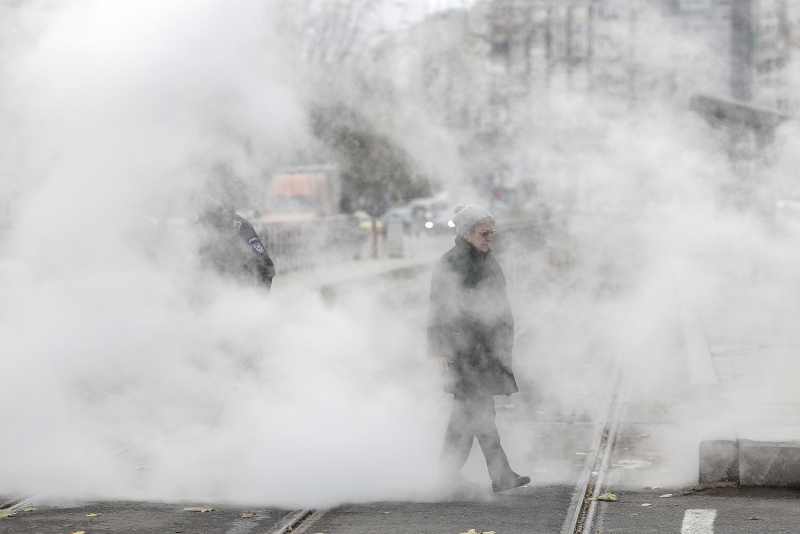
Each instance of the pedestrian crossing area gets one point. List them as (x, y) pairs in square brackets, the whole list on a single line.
[(726, 511), (698, 522)]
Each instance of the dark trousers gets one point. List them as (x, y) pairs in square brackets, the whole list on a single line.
[(473, 416)]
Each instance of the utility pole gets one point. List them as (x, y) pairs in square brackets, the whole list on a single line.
[(786, 103), (632, 69), (549, 45), (570, 45), (590, 45), (742, 36)]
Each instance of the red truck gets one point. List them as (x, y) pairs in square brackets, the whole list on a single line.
[(301, 194)]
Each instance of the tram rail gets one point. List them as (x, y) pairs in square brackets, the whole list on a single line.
[(590, 485)]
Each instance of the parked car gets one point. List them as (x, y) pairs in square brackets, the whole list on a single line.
[(399, 213), (431, 215), (365, 221)]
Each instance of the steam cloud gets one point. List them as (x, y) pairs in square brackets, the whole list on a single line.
[(133, 375), (129, 375)]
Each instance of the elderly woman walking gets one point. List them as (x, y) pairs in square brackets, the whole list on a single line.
[(471, 334)]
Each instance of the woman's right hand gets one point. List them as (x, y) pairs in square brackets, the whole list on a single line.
[(444, 363)]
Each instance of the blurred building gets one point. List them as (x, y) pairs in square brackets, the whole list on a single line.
[(537, 47), (474, 66), (642, 48), (433, 62), (758, 36), (539, 44), (772, 29)]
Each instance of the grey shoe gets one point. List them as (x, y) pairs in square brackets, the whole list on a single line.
[(509, 481)]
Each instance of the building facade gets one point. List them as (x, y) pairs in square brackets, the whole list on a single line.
[(475, 66)]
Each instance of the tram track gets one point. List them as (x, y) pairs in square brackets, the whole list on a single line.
[(590, 484), (298, 522), (292, 521)]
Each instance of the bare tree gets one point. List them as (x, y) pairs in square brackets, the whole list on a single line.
[(334, 35)]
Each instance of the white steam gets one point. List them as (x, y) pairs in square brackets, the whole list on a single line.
[(127, 374)]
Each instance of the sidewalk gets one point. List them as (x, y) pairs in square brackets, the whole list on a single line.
[(754, 343), (350, 272), (729, 372), (420, 255)]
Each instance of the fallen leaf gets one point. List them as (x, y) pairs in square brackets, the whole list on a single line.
[(78, 532), (7, 513), (608, 496), (198, 509), (754, 518), (29, 509), (651, 487), (251, 515), (646, 504), (92, 515), (642, 435), (582, 453), (666, 496)]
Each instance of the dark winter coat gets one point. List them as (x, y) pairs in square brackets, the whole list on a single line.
[(470, 321), (229, 245)]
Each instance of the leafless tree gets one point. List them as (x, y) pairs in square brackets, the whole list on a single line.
[(335, 35)]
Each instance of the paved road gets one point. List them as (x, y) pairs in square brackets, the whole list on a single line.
[(140, 518), (549, 429), (527, 510), (730, 511), (546, 437)]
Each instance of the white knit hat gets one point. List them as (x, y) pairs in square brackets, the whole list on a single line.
[(468, 216)]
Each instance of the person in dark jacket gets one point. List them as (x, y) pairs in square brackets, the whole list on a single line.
[(471, 335), (228, 244)]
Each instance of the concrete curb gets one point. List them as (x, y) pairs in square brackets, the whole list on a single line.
[(330, 291), (750, 463)]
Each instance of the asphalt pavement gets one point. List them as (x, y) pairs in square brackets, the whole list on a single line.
[(115, 517), (707, 369), (524, 510), (722, 510)]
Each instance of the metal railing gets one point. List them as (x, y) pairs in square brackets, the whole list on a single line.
[(309, 244)]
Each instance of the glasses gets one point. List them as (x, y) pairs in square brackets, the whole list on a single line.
[(487, 233)]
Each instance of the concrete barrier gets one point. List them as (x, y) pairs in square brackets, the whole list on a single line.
[(750, 463), (719, 461), (769, 463)]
